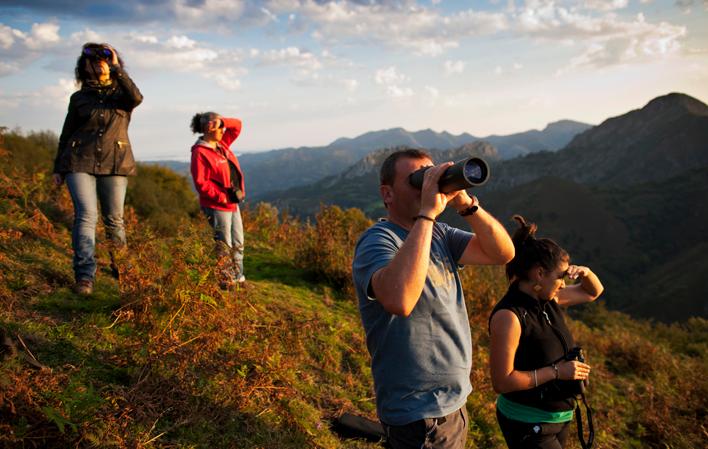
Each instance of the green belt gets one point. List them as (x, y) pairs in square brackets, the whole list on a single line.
[(524, 413)]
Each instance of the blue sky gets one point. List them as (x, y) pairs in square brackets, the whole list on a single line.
[(303, 73)]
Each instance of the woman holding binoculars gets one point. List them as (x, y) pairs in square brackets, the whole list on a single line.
[(94, 155), (219, 182), (532, 365)]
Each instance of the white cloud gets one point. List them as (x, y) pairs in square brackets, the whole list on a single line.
[(19, 49), (207, 11), (87, 35), (638, 43), (605, 5), (404, 24), (145, 38), (180, 42), (389, 76), (54, 96), (605, 37), (391, 79), (452, 67), (57, 95), (399, 92), (227, 79), (8, 36), (42, 36), (293, 56)]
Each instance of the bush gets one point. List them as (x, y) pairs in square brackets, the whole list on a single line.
[(328, 247), (162, 198)]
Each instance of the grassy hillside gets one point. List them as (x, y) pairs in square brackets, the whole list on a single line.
[(166, 360)]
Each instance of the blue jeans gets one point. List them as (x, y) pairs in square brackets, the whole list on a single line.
[(86, 190), (228, 235)]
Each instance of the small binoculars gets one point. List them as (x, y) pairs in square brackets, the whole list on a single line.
[(98, 52)]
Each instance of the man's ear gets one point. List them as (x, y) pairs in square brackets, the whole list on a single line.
[(386, 194)]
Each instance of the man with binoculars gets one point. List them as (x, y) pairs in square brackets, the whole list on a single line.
[(412, 305)]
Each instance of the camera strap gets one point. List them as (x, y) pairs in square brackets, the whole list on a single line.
[(578, 415), (579, 419)]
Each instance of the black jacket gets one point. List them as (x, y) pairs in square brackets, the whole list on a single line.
[(94, 138)]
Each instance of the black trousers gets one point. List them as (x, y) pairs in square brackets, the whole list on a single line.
[(521, 435), (447, 432)]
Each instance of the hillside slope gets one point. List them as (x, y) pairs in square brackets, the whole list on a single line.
[(164, 359)]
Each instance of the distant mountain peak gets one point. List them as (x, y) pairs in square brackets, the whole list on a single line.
[(565, 125), (676, 101), (626, 130)]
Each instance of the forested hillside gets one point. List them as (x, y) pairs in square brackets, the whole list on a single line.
[(164, 359)]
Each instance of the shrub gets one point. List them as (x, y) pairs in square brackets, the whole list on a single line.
[(328, 246)]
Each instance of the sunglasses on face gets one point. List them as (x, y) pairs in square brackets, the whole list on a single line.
[(97, 52)]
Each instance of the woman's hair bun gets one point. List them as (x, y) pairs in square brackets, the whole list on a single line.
[(525, 232)]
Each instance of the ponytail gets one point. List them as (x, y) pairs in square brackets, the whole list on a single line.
[(531, 252)]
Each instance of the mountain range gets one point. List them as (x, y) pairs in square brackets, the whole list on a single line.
[(627, 197), (291, 167)]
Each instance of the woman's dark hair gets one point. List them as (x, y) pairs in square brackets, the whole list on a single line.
[(200, 119), (531, 252), (80, 72)]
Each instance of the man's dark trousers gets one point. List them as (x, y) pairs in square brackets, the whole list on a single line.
[(448, 432)]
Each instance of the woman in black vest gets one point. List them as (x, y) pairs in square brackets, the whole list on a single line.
[(94, 156), (530, 342)]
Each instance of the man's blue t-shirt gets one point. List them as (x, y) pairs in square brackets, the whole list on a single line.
[(421, 363)]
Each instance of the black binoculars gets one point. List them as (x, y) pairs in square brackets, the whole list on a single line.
[(576, 354), (470, 172), (98, 52)]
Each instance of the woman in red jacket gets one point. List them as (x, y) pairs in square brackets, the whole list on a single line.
[(219, 182)]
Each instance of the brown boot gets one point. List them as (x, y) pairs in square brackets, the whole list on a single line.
[(84, 287)]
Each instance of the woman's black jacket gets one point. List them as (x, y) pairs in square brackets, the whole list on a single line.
[(94, 138)]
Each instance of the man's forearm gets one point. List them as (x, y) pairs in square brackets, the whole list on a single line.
[(491, 237), (398, 285)]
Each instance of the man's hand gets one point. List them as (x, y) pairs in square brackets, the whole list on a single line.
[(461, 201), (432, 202), (58, 179)]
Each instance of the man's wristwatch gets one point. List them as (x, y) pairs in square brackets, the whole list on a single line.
[(470, 210)]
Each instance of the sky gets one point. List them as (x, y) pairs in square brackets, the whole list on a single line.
[(306, 72)]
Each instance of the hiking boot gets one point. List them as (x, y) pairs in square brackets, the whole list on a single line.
[(241, 279), (84, 287)]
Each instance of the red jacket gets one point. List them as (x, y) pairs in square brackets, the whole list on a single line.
[(210, 168)]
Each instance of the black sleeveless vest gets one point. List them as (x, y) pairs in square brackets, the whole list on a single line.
[(545, 339)]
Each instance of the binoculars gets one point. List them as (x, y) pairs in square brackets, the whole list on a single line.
[(470, 172), (97, 52)]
